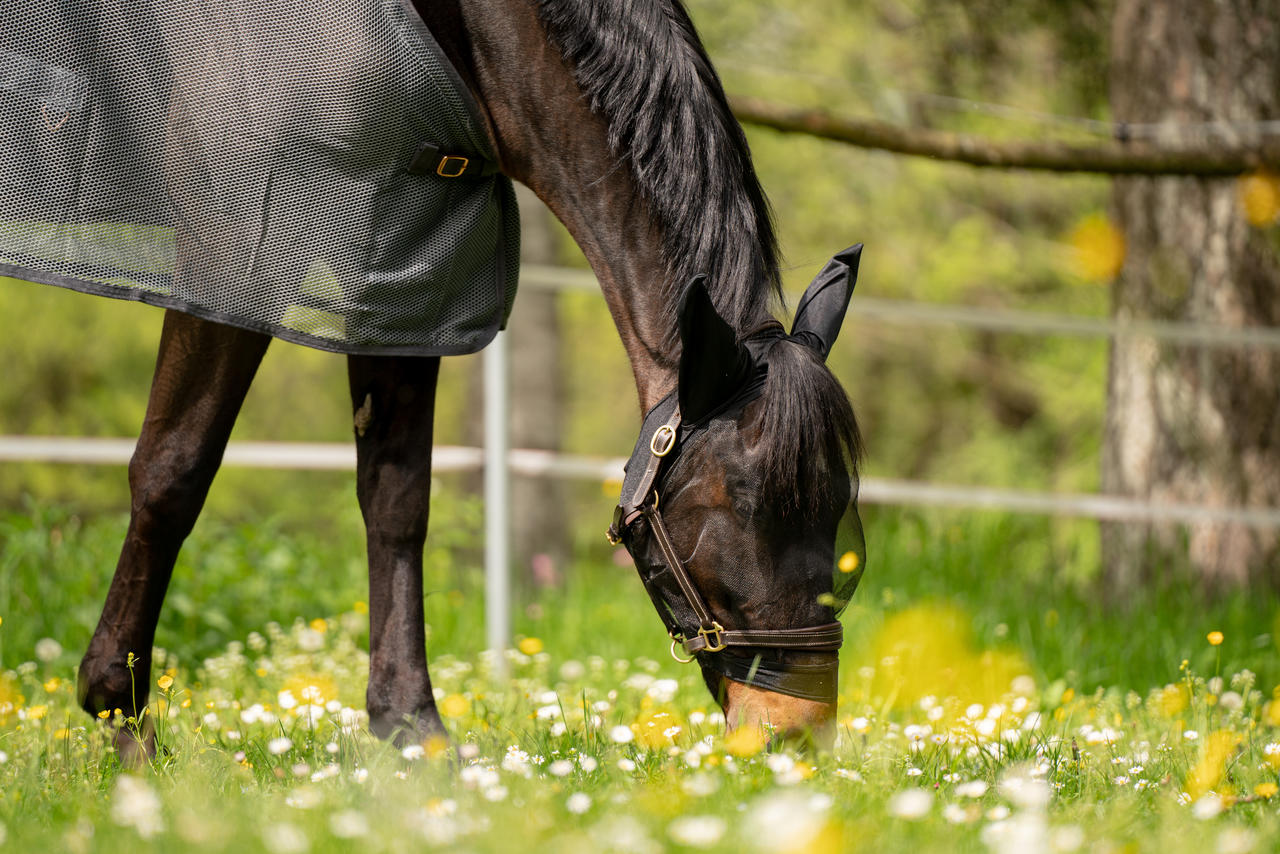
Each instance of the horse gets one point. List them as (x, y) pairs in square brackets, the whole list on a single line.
[(745, 471)]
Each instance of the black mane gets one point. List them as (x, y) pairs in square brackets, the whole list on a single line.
[(645, 71)]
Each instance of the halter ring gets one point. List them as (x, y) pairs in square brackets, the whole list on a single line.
[(675, 640)]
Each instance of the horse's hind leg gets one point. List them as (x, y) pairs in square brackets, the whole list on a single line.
[(202, 373), (394, 401)]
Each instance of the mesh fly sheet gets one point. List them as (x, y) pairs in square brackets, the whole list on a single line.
[(257, 163)]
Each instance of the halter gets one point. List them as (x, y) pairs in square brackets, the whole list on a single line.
[(662, 436)]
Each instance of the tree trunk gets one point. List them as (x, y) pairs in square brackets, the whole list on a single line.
[(1184, 423)]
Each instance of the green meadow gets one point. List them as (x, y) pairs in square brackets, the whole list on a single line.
[(988, 702)]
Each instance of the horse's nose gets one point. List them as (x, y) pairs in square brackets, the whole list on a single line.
[(786, 716)]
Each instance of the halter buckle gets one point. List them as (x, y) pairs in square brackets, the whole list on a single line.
[(717, 630), (666, 435)]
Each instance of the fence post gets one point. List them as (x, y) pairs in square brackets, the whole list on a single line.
[(497, 503)]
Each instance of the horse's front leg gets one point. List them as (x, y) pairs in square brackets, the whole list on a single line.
[(203, 371), (394, 402)]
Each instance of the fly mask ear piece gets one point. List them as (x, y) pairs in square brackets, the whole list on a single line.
[(823, 306)]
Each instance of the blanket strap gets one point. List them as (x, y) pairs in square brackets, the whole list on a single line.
[(430, 159)]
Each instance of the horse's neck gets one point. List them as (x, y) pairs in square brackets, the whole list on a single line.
[(548, 138)]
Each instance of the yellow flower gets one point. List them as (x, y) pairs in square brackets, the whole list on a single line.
[(52, 684), (848, 562), (360, 607), (1215, 638), (530, 646), (1172, 699), (1099, 248), (1265, 790), (745, 741), (319, 625), (1208, 773), (455, 706), (104, 714), (165, 682), (436, 746), (1260, 198)]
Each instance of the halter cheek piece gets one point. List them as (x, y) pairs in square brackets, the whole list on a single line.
[(658, 446)]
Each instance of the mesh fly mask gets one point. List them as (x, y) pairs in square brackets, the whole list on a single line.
[(753, 656)]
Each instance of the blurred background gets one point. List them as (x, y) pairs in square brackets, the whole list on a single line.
[(1073, 600)]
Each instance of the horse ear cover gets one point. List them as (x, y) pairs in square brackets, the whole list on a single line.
[(713, 365), (823, 306)]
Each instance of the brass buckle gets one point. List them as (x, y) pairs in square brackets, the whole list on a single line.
[(614, 539), (449, 161), (668, 435), (718, 631), (677, 640)]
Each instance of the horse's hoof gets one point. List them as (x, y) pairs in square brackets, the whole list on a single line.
[(135, 749)]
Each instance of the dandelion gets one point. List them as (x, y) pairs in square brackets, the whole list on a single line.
[(1266, 790), (48, 650), (621, 735), (848, 562), (530, 645), (699, 831), (745, 741), (277, 746), (578, 803), (911, 804), (1214, 638)]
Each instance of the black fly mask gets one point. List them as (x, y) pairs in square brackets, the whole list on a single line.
[(778, 580)]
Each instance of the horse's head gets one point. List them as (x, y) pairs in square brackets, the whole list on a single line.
[(738, 507)]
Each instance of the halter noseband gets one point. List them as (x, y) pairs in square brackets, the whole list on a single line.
[(658, 446)]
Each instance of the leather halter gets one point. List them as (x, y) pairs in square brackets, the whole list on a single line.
[(658, 445)]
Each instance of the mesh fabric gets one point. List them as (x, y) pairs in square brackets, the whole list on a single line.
[(246, 162)]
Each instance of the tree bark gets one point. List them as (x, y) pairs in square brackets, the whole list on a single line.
[(1187, 423)]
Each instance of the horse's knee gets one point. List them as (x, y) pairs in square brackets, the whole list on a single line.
[(166, 491)]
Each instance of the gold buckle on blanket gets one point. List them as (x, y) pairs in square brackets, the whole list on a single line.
[(452, 166)]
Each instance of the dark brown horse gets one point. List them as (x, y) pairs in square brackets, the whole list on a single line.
[(610, 111)]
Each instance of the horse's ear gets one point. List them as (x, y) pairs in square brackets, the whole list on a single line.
[(713, 366), (821, 310)]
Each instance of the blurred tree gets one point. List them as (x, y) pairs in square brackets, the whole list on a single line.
[(1187, 423)]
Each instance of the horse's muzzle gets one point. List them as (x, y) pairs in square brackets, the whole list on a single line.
[(784, 715)]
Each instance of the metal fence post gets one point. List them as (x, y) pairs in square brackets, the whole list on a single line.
[(497, 502)]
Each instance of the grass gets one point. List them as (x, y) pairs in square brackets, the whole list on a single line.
[(988, 702)]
